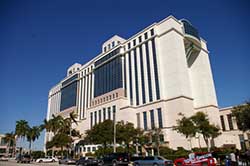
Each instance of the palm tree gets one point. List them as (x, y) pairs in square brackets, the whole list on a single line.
[(33, 134), (21, 129), (10, 139)]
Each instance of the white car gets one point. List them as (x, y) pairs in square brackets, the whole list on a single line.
[(47, 160)]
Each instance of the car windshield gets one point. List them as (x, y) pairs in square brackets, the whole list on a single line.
[(160, 158)]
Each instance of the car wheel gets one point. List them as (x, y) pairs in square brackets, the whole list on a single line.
[(114, 163), (136, 164), (155, 164), (40, 161), (53, 160)]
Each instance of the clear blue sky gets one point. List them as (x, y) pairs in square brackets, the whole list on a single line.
[(40, 39)]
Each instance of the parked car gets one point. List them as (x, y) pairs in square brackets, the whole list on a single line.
[(198, 159), (4, 158), (115, 159), (88, 161), (67, 161), (23, 158), (46, 159), (153, 161)]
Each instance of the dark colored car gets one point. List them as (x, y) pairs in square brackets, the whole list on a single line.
[(67, 161), (115, 159), (87, 161), (23, 158), (153, 161)]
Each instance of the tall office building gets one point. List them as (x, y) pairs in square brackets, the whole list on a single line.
[(147, 79)]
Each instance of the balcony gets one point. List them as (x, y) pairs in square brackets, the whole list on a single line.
[(190, 32)]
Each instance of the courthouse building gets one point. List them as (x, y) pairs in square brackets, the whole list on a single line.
[(147, 79)]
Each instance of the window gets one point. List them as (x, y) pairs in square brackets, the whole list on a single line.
[(129, 46), (160, 118), (130, 78), (116, 94), (88, 149), (161, 137), (146, 36), (109, 46), (114, 112), (134, 42), (222, 123), (152, 32), (91, 119), (157, 88), (149, 73), (140, 39), (104, 114), (230, 122), (105, 49), (95, 117), (113, 44), (94, 149), (152, 118), (142, 76), (108, 77), (100, 116), (109, 113), (145, 120), (138, 120), (136, 78)]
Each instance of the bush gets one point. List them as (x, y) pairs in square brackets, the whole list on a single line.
[(37, 154)]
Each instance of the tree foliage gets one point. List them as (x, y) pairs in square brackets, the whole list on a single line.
[(242, 115), (185, 126), (33, 133), (101, 133), (198, 123)]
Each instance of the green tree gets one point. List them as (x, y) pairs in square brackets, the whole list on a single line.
[(126, 133), (60, 140), (10, 138), (203, 127), (242, 115), (21, 130), (186, 127), (33, 134), (101, 133)]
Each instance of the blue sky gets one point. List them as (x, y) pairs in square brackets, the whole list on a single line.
[(40, 39)]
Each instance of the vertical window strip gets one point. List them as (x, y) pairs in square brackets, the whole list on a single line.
[(157, 89), (109, 113), (230, 122), (84, 89), (95, 117), (91, 120), (160, 118), (100, 116), (104, 114), (222, 123), (125, 77), (114, 113), (145, 121), (136, 78), (130, 79), (152, 118), (149, 74), (142, 76), (87, 94)]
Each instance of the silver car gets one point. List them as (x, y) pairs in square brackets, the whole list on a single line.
[(153, 161)]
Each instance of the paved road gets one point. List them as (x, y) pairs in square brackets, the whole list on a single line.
[(14, 163)]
